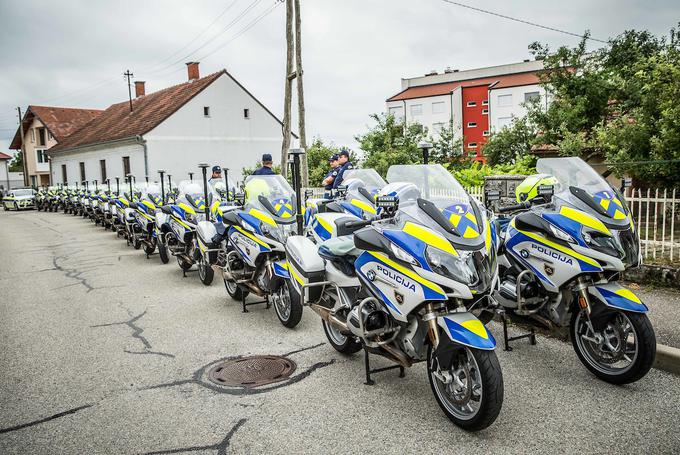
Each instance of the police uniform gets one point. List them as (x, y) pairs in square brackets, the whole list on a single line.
[(341, 171), (333, 173), (264, 170)]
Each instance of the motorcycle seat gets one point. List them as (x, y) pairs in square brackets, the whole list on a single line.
[(341, 252), (167, 209)]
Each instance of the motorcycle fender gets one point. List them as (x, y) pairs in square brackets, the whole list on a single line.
[(613, 295), (281, 269), (466, 329)]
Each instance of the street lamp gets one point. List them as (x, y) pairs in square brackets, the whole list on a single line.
[(425, 147)]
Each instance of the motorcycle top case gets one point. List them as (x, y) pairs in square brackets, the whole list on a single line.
[(305, 266)]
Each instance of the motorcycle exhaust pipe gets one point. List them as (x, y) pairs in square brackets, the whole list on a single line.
[(327, 315)]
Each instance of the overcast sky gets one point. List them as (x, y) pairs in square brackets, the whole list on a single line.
[(73, 53)]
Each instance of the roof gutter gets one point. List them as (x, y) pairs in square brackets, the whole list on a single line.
[(142, 142), (78, 148)]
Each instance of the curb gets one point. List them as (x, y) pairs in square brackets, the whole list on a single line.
[(667, 359)]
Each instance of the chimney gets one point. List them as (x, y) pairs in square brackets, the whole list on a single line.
[(192, 69), (139, 89)]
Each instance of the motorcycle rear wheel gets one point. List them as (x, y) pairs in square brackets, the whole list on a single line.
[(150, 248), (600, 359), (476, 379), (235, 291), (344, 344)]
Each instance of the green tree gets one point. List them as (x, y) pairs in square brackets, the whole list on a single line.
[(389, 142), (510, 143), (446, 148), (17, 163)]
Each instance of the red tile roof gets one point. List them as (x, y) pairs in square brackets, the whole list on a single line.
[(148, 111), (60, 121), (445, 88), (4, 156)]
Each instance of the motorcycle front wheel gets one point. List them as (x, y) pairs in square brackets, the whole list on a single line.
[(622, 352), (287, 305), (470, 390), (163, 253)]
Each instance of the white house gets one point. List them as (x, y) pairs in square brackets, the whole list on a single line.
[(212, 120), (477, 102)]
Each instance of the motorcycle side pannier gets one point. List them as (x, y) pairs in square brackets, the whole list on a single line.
[(305, 267)]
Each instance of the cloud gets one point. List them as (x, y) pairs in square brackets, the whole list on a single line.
[(354, 51)]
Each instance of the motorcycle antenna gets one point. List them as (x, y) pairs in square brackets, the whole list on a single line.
[(226, 181), (161, 172), (147, 179), (117, 186), (169, 183), (191, 176), (95, 184), (296, 154), (87, 185), (204, 170), (108, 185)]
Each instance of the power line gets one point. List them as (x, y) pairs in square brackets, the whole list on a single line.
[(250, 25), (533, 24)]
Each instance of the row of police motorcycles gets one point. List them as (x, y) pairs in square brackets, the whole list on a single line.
[(413, 268)]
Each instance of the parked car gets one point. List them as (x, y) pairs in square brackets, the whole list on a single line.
[(20, 198)]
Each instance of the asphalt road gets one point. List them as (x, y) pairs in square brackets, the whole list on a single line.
[(104, 351)]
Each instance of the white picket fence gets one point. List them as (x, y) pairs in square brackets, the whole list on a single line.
[(654, 214)]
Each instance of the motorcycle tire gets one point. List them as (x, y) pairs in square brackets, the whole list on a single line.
[(205, 272), (292, 317), (149, 249), (489, 373), (136, 243), (641, 365), (184, 265), (163, 253), (344, 344), (235, 291)]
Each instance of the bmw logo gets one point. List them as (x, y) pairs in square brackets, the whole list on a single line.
[(370, 275), (524, 254)]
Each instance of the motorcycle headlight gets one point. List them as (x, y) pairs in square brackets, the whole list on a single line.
[(403, 255), (458, 268), (560, 234), (603, 243), (191, 218)]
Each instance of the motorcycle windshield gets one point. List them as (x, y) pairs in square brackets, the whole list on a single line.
[(270, 193), (219, 189), (152, 193), (581, 185), (368, 178), (435, 183)]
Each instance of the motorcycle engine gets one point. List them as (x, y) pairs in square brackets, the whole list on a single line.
[(374, 319)]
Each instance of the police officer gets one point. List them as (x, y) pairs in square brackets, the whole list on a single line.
[(344, 165), (216, 175), (330, 177), (267, 164)]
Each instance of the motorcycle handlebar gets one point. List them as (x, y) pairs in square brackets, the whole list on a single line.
[(362, 223), (513, 208)]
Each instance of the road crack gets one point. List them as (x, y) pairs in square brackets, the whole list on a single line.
[(221, 446), (45, 419), (137, 334)]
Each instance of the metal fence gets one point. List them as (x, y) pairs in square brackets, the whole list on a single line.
[(654, 214)]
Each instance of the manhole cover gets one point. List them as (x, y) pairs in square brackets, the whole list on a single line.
[(253, 371)]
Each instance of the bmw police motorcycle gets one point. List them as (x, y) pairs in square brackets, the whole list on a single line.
[(254, 251), (144, 232), (401, 286), (353, 200), (561, 259)]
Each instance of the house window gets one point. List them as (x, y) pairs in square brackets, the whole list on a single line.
[(41, 156), (438, 108), (437, 128), (394, 111), (246, 113), (472, 145), (471, 103), (485, 112), (102, 166), (504, 122), (49, 136), (416, 109), (126, 165), (82, 171), (206, 111), (472, 125), (33, 135), (42, 137), (505, 100), (64, 177), (486, 133), (531, 96), (485, 103)]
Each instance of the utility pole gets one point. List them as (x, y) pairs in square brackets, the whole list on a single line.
[(300, 94), (129, 75), (24, 165), (288, 88)]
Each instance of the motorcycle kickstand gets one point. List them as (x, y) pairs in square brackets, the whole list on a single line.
[(367, 367), (243, 301), (531, 335)]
